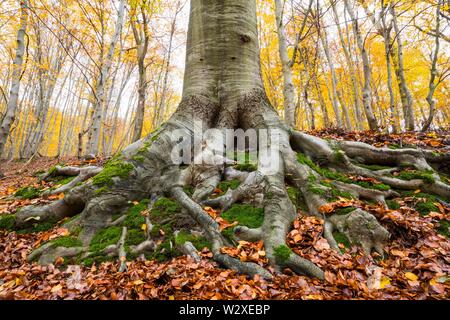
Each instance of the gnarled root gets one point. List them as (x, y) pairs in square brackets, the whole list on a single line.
[(81, 174), (362, 229), (366, 194), (69, 206), (146, 169)]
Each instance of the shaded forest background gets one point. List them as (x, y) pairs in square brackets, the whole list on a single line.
[(89, 77)]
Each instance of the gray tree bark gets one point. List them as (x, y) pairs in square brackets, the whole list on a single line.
[(367, 90), (397, 59), (433, 71), (12, 106), (334, 93), (350, 63), (99, 92), (288, 82), (142, 38)]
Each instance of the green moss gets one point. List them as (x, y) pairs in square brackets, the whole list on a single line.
[(303, 159), (392, 204), (198, 242), (38, 173), (370, 185), (282, 253), (38, 227), (293, 194), (67, 242), (245, 215), (342, 238), (338, 156), (53, 169), (231, 184), (104, 238), (248, 167), (7, 222), (444, 228), (163, 208), (228, 233), (426, 176), (372, 167), (138, 158), (445, 178), (134, 219), (332, 194), (189, 190), (413, 194), (76, 230), (165, 251), (114, 168), (425, 208), (96, 258), (155, 231), (155, 136), (101, 190), (336, 193), (394, 146), (316, 189), (426, 203), (28, 193), (146, 146), (134, 237), (62, 180), (332, 175)]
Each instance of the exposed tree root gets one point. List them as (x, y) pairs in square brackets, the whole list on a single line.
[(81, 174), (366, 194), (145, 170)]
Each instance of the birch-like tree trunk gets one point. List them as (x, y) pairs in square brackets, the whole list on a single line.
[(12, 106), (352, 69), (334, 91), (288, 86), (97, 116), (161, 109), (397, 59), (386, 33), (433, 72), (141, 37), (367, 90)]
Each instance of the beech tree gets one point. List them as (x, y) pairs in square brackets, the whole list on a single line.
[(223, 89), (99, 92), (13, 101)]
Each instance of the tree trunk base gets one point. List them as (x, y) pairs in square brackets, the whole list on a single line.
[(319, 170)]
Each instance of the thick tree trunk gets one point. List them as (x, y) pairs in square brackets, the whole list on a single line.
[(13, 101)]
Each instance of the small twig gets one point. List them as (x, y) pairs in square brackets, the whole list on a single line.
[(122, 252)]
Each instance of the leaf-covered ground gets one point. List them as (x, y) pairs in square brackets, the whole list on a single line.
[(416, 263)]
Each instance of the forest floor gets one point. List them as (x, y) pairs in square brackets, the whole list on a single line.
[(416, 263)]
